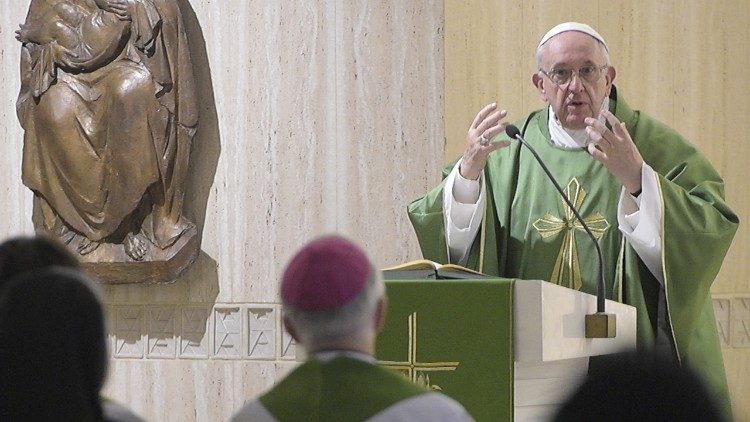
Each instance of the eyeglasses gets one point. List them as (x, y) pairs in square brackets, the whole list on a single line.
[(561, 77)]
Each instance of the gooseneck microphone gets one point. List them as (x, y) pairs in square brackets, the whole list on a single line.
[(513, 133)]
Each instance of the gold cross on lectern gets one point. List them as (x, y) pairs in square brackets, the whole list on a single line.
[(411, 368), (567, 271)]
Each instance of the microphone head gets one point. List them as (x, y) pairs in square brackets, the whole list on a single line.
[(512, 131)]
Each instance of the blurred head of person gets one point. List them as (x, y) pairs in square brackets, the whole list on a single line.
[(52, 346), (637, 387), (26, 253)]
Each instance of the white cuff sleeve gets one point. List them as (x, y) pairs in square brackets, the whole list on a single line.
[(463, 201), (640, 221)]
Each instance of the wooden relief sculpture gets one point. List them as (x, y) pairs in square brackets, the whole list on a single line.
[(108, 106)]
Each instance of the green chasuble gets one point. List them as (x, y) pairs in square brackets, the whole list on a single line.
[(344, 389), (530, 233)]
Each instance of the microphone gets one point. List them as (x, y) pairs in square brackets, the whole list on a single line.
[(601, 324)]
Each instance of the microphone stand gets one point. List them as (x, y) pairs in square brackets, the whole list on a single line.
[(599, 324)]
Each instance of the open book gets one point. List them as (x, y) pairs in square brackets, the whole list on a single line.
[(424, 268)]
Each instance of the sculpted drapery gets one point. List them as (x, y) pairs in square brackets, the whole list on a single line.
[(108, 106)]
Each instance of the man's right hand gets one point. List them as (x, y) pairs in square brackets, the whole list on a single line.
[(485, 126)]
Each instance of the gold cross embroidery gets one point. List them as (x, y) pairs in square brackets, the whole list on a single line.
[(413, 369), (567, 271)]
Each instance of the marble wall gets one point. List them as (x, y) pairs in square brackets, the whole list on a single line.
[(316, 116)]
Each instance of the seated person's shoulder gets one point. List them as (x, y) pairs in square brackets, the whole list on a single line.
[(116, 412), (431, 406)]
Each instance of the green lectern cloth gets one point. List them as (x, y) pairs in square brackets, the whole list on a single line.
[(454, 336)]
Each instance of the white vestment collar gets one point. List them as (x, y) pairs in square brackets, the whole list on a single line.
[(571, 138), (325, 356)]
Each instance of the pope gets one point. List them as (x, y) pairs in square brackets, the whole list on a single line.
[(654, 203)]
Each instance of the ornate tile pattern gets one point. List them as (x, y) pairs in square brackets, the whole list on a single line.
[(255, 331), (194, 332), (227, 332), (261, 333), (288, 345), (161, 332), (128, 329), (740, 322), (721, 310)]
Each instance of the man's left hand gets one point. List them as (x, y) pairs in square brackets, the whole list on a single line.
[(615, 150)]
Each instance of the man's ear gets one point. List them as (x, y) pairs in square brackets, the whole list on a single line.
[(538, 82), (290, 329), (380, 314), (611, 74)]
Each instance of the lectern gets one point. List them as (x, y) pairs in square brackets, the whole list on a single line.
[(505, 349)]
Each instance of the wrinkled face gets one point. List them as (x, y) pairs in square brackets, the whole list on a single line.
[(577, 99)]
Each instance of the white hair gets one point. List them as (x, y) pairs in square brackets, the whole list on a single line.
[(353, 322)]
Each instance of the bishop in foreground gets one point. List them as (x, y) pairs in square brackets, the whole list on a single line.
[(334, 306)]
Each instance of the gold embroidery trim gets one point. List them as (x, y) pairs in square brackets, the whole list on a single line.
[(417, 371), (567, 271)]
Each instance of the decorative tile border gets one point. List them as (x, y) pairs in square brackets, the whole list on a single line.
[(288, 345), (193, 332), (227, 332), (721, 311), (733, 320), (128, 326), (740, 322), (261, 329), (255, 331), (199, 331), (161, 332)]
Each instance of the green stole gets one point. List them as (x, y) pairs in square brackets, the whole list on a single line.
[(342, 389), (532, 234)]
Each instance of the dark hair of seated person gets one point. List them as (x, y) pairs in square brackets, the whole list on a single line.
[(634, 387), (52, 347), (26, 253)]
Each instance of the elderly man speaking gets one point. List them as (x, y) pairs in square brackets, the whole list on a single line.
[(334, 306), (654, 203)]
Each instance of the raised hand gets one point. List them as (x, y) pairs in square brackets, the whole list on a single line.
[(615, 150), (486, 125)]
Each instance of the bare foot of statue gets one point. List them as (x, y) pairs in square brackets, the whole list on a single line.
[(136, 246), (64, 234), (86, 245)]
